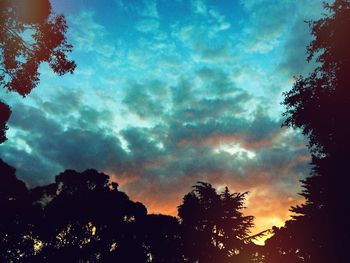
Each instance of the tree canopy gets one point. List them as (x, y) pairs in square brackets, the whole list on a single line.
[(31, 34), (319, 105), (214, 227), (83, 217)]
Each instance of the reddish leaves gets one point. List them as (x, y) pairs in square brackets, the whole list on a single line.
[(30, 36)]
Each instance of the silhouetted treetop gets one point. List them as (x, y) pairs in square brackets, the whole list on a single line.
[(83, 217), (214, 227), (330, 36), (29, 35), (308, 237), (319, 103), (10, 187), (91, 217)]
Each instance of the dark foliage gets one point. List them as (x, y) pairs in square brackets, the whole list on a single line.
[(319, 105), (4, 117), (308, 237), (16, 237), (29, 35), (214, 228), (83, 217)]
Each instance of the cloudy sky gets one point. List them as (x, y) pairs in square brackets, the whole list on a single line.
[(167, 93)]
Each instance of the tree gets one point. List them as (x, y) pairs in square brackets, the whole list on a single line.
[(214, 228), (307, 237), (16, 217), (30, 34), (319, 104), (85, 218)]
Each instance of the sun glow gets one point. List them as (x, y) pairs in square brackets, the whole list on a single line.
[(236, 149)]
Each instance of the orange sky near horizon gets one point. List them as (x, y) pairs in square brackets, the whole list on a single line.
[(268, 207)]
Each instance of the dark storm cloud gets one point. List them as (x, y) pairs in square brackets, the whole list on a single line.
[(52, 143)]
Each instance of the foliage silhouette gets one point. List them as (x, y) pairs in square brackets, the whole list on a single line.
[(319, 105), (163, 239), (306, 238), (214, 228), (30, 34), (16, 215), (83, 217)]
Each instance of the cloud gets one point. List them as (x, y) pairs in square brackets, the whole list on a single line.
[(204, 32), (143, 8), (147, 25), (86, 37), (266, 26), (150, 9), (199, 7), (202, 133), (294, 59), (73, 135), (146, 99)]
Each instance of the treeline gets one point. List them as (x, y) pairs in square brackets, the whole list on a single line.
[(83, 217)]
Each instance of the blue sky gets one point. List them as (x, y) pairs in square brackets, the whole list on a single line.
[(167, 93)]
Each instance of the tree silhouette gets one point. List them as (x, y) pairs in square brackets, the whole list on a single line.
[(214, 228), (30, 34), (85, 218), (16, 238), (21, 54), (319, 105), (307, 237)]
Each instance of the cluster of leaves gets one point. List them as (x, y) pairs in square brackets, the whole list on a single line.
[(29, 36), (83, 217)]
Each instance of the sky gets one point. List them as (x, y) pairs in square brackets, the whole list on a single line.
[(168, 93)]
